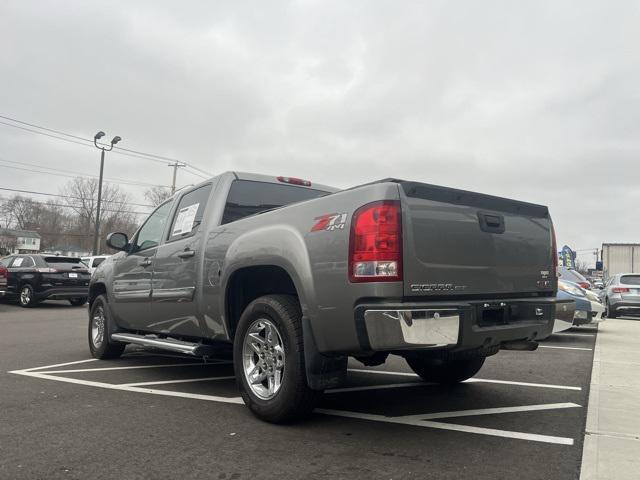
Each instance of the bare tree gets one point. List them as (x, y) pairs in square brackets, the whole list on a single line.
[(156, 195), (22, 213), (582, 266), (81, 195)]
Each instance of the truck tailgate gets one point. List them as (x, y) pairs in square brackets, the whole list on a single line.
[(463, 243)]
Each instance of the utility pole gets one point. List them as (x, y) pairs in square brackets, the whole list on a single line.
[(175, 166), (103, 148)]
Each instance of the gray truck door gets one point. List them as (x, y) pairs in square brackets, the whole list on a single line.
[(176, 268), (131, 303)]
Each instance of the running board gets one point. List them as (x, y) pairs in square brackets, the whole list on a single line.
[(189, 348)]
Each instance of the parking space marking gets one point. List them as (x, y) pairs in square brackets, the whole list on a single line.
[(112, 386), (134, 367), (475, 380), (493, 411), (420, 420), (184, 380), (378, 387), (566, 348), (450, 426)]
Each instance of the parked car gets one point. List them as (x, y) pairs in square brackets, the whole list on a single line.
[(33, 278), (3, 276), (572, 275), (621, 294), (589, 309), (298, 277), (93, 262)]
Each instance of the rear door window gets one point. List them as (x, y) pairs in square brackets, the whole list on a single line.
[(630, 280), (188, 216), (247, 197), (65, 263)]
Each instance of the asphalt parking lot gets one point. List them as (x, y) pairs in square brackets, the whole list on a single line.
[(152, 415)]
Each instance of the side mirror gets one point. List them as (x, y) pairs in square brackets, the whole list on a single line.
[(117, 240)]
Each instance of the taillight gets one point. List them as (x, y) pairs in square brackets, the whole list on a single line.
[(375, 245), (585, 285), (294, 181), (554, 252), (620, 290), (3, 271)]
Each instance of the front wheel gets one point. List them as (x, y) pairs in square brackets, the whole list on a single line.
[(445, 371), (100, 343), (27, 298), (268, 357)]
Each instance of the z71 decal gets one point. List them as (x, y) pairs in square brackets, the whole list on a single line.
[(330, 222)]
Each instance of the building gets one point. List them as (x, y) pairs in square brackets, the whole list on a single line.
[(620, 258), (18, 241)]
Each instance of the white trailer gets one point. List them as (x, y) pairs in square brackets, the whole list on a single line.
[(620, 258)]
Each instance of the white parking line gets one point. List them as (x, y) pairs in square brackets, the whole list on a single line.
[(134, 367), (475, 380), (111, 386), (60, 364), (184, 380), (377, 387), (566, 348), (449, 426), (492, 411)]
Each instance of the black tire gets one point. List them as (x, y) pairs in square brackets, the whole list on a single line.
[(294, 400), (106, 349), (78, 301), (445, 371), (26, 297), (610, 313)]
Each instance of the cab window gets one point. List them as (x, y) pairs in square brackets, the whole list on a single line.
[(150, 234), (188, 216)]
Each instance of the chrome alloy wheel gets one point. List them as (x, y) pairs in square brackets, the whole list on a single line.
[(25, 295), (97, 327), (263, 358)]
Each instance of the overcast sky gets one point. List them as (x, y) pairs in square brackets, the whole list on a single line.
[(538, 101)]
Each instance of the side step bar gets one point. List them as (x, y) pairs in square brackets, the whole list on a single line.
[(189, 348)]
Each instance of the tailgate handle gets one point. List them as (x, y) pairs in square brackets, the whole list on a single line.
[(490, 222)]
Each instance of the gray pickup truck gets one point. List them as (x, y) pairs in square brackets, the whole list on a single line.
[(297, 277)]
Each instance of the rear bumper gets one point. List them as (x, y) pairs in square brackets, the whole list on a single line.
[(457, 326), (62, 293), (624, 306)]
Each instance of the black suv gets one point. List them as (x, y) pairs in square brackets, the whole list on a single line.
[(33, 278)]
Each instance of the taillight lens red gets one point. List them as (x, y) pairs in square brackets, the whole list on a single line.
[(620, 290), (585, 285), (3, 271), (375, 245)]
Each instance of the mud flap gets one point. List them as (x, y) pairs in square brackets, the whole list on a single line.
[(322, 371)]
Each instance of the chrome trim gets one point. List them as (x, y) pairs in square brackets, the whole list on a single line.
[(164, 343), (180, 293), (132, 294), (397, 329)]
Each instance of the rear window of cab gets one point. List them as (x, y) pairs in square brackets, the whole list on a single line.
[(65, 263)]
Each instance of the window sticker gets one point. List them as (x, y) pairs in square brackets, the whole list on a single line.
[(184, 221), (17, 262)]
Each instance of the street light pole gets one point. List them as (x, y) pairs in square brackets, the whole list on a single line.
[(103, 148)]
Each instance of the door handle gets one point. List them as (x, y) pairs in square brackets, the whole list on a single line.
[(145, 263), (187, 253)]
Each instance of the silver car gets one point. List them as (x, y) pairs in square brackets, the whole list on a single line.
[(621, 294)]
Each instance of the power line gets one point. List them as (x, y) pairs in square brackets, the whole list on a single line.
[(70, 196), (120, 150), (76, 208), (67, 172)]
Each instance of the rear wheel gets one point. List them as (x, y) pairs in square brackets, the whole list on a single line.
[(26, 298), (78, 301), (100, 342), (268, 357), (610, 312), (445, 371)]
